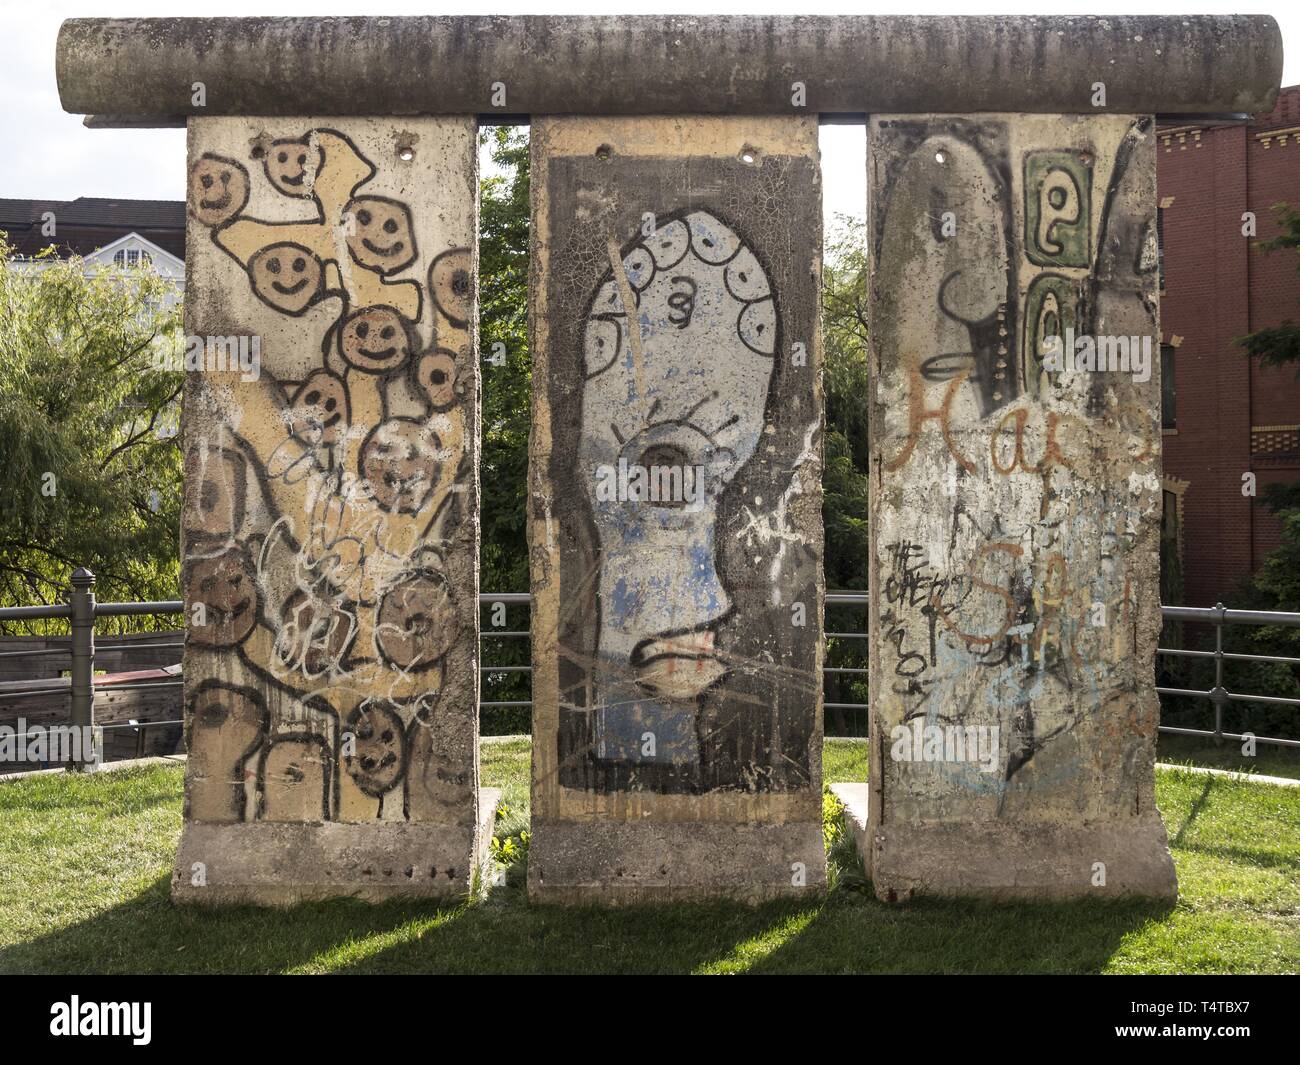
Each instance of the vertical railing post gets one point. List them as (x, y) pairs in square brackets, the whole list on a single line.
[(1219, 694), (82, 601)]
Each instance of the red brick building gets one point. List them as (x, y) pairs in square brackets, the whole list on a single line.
[(1224, 415)]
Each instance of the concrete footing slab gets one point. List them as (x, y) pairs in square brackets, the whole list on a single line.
[(1103, 859), (280, 864), (620, 864)]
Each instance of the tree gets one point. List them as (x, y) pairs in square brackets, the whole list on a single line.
[(507, 405), (844, 333), (845, 460), (503, 340), (1276, 585), (88, 430)]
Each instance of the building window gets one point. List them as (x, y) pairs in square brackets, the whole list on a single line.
[(132, 257), (1168, 389)]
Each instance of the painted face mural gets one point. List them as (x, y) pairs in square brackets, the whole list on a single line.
[(286, 276), (218, 189), (289, 164), (314, 496), (319, 409), (400, 461), (688, 376), (377, 339), (380, 236)]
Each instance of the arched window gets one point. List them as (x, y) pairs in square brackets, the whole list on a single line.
[(131, 257)]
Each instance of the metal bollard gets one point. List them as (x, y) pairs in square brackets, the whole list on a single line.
[(1220, 694), (82, 601)]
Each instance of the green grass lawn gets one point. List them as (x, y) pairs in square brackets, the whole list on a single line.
[(85, 864), (1268, 761)]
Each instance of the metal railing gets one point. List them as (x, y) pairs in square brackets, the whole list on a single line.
[(82, 610), (1219, 616)]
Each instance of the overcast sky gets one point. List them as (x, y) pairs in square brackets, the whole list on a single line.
[(50, 155)]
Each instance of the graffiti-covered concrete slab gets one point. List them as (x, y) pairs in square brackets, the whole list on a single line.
[(675, 509), (1015, 506), (331, 514)]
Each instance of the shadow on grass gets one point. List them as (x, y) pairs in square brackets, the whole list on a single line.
[(147, 934), (847, 932), (1260, 859), (844, 933), (1197, 806)]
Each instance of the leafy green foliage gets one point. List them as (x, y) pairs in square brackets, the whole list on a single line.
[(507, 389), (844, 475), (1278, 345), (844, 331), (507, 404), (88, 430)]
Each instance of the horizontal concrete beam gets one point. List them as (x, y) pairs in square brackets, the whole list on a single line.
[(142, 71)]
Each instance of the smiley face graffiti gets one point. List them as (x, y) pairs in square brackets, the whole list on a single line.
[(287, 277), (225, 584), (378, 762), (451, 284), (380, 235), (315, 540), (434, 374), (289, 164), (401, 463), (377, 339), (319, 409), (218, 189), (417, 622)]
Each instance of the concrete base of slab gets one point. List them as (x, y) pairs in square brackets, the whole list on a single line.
[(1012, 861), (269, 863), (855, 798), (621, 864)]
